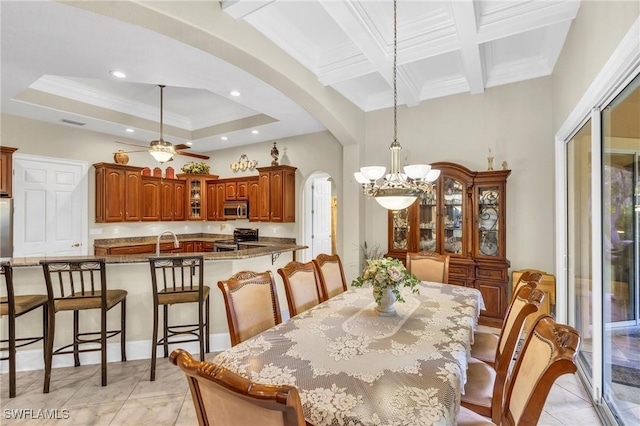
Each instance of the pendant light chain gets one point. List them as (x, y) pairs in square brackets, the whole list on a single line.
[(161, 109), (395, 71)]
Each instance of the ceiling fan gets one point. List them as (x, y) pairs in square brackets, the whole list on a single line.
[(160, 149)]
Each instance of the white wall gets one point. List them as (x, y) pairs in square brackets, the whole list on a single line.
[(515, 121)]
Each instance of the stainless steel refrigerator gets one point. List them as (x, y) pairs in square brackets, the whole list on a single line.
[(6, 227)]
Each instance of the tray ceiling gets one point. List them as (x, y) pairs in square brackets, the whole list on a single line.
[(56, 59)]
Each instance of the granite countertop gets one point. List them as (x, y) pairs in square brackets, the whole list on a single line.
[(265, 246), (133, 241)]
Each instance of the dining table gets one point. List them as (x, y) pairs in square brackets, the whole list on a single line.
[(354, 367)]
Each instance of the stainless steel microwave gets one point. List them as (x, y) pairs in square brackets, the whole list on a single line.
[(236, 210)]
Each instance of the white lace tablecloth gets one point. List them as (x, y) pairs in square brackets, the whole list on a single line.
[(353, 367)]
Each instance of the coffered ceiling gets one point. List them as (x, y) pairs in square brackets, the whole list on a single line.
[(56, 60)]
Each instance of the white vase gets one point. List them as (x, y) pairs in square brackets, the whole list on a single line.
[(385, 306)]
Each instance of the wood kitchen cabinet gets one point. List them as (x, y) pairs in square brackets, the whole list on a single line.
[(6, 171), (118, 193), (254, 197), (173, 200), (151, 198), (242, 193), (230, 190), (276, 194), (196, 195), (465, 218), (216, 192)]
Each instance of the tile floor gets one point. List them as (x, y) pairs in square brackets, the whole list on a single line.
[(131, 399)]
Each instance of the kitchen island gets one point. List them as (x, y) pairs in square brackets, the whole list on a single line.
[(131, 273)]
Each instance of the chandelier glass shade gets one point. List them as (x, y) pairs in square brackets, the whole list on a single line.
[(397, 190)]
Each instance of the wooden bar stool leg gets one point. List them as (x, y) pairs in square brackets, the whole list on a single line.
[(48, 351), (165, 310), (201, 330), (103, 345), (208, 336), (154, 342), (12, 356), (123, 333), (76, 331)]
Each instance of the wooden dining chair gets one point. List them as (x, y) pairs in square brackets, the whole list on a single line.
[(302, 286), (178, 280), (331, 275), (429, 266), (14, 306), (81, 285), (251, 303), (485, 344), (224, 398), (484, 389), (549, 351)]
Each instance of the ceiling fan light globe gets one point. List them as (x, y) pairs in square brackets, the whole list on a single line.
[(161, 156)]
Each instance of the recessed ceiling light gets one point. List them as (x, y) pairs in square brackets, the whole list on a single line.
[(117, 73), (255, 132), (189, 143), (129, 130), (234, 93), (224, 138)]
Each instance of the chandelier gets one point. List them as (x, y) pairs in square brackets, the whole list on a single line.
[(397, 190)]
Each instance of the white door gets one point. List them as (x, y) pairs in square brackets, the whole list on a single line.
[(50, 207), (321, 217)]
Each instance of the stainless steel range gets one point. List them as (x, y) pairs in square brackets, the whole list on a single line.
[(239, 235)]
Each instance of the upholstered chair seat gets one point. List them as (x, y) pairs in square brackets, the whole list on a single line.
[(429, 266), (331, 275), (302, 285)]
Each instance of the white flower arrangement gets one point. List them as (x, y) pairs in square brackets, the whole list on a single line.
[(387, 273)]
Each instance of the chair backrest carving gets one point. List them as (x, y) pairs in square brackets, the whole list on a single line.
[(302, 285), (528, 276), (549, 352), (331, 275), (222, 397), (429, 266), (251, 302)]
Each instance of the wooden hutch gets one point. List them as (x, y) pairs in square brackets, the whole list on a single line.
[(464, 217)]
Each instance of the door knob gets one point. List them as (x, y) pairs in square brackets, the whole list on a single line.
[(76, 245)]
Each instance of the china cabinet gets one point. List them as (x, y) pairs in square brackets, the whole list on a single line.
[(6, 170), (196, 195), (464, 217)]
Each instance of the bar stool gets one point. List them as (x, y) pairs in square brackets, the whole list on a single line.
[(79, 285), (178, 280), (14, 307)]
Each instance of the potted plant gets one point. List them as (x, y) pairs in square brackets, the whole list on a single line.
[(192, 167), (387, 276)]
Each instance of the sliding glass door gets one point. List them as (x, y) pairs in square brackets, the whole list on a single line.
[(620, 249), (602, 190)]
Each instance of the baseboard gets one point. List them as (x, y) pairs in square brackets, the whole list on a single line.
[(29, 360)]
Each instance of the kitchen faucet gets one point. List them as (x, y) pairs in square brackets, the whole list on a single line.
[(175, 241)]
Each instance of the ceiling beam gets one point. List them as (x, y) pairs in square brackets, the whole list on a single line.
[(348, 16), (465, 17), (241, 9)]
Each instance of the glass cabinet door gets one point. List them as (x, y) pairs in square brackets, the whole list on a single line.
[(427, 216), (195, 199), (488, 221), (401, 227), (452, 220)]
